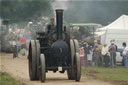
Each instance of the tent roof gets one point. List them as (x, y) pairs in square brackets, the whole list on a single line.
[(100, 33), (120, 23)]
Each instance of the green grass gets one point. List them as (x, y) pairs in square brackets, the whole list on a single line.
[(5, 79), (114, 74)]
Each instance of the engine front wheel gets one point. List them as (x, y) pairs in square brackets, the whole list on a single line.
[(77, 68), (42, 68)]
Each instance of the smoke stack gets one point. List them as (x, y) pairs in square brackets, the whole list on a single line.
[(59, 21)]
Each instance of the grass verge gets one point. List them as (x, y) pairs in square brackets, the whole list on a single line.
[(6, 79), (119, 74)]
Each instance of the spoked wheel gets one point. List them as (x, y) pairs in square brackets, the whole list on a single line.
[(42, 68), (70, 72), (77, 67), (32, 61)]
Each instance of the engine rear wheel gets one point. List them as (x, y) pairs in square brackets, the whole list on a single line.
[(42, 68), (32, 61), (70, 72), (68, 34), (76, 43)]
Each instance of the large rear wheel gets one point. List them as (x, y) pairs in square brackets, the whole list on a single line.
[(70, 72), (32, 61), (68, 34), (76, 43)]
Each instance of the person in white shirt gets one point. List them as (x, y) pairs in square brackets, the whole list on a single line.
[(125, 54), (104, 53)]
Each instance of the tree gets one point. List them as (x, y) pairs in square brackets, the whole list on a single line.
[(24, 10)]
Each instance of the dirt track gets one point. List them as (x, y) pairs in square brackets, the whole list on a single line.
[(18, 68)]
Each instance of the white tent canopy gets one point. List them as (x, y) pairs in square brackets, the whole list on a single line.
[(117, 30), (120, 23)]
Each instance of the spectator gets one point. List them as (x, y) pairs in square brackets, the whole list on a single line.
[(17, 48), (23, 45), (95, 57), (104, 52), (121, 53), (125, 54), (82, 56), (112, 50), (88, 53), (14, 48), (28, 38), (97, 54)]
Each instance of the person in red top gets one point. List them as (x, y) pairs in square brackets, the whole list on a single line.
[(23, 45), (23, 39)]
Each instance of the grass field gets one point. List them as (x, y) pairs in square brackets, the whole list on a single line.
[(111, 74), (5, 79)]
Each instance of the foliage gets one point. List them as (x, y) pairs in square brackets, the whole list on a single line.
[(113, 74), (22, 10), (5, 79)]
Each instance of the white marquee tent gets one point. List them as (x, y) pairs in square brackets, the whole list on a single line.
[(117, 30), (120, 23)]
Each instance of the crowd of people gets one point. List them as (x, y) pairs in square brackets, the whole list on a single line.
[(20, 43), (102, 55)]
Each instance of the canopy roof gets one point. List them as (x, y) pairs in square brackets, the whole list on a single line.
[(85, 24), (120, 23)]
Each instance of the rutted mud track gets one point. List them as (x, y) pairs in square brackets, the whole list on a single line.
[(18, 68)]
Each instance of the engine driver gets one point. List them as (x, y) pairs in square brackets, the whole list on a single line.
[(51, 26), (50, 31)]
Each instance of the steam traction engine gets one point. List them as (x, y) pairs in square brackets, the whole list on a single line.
[(54, 52)]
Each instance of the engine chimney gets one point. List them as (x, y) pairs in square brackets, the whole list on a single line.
[(59, 21)]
